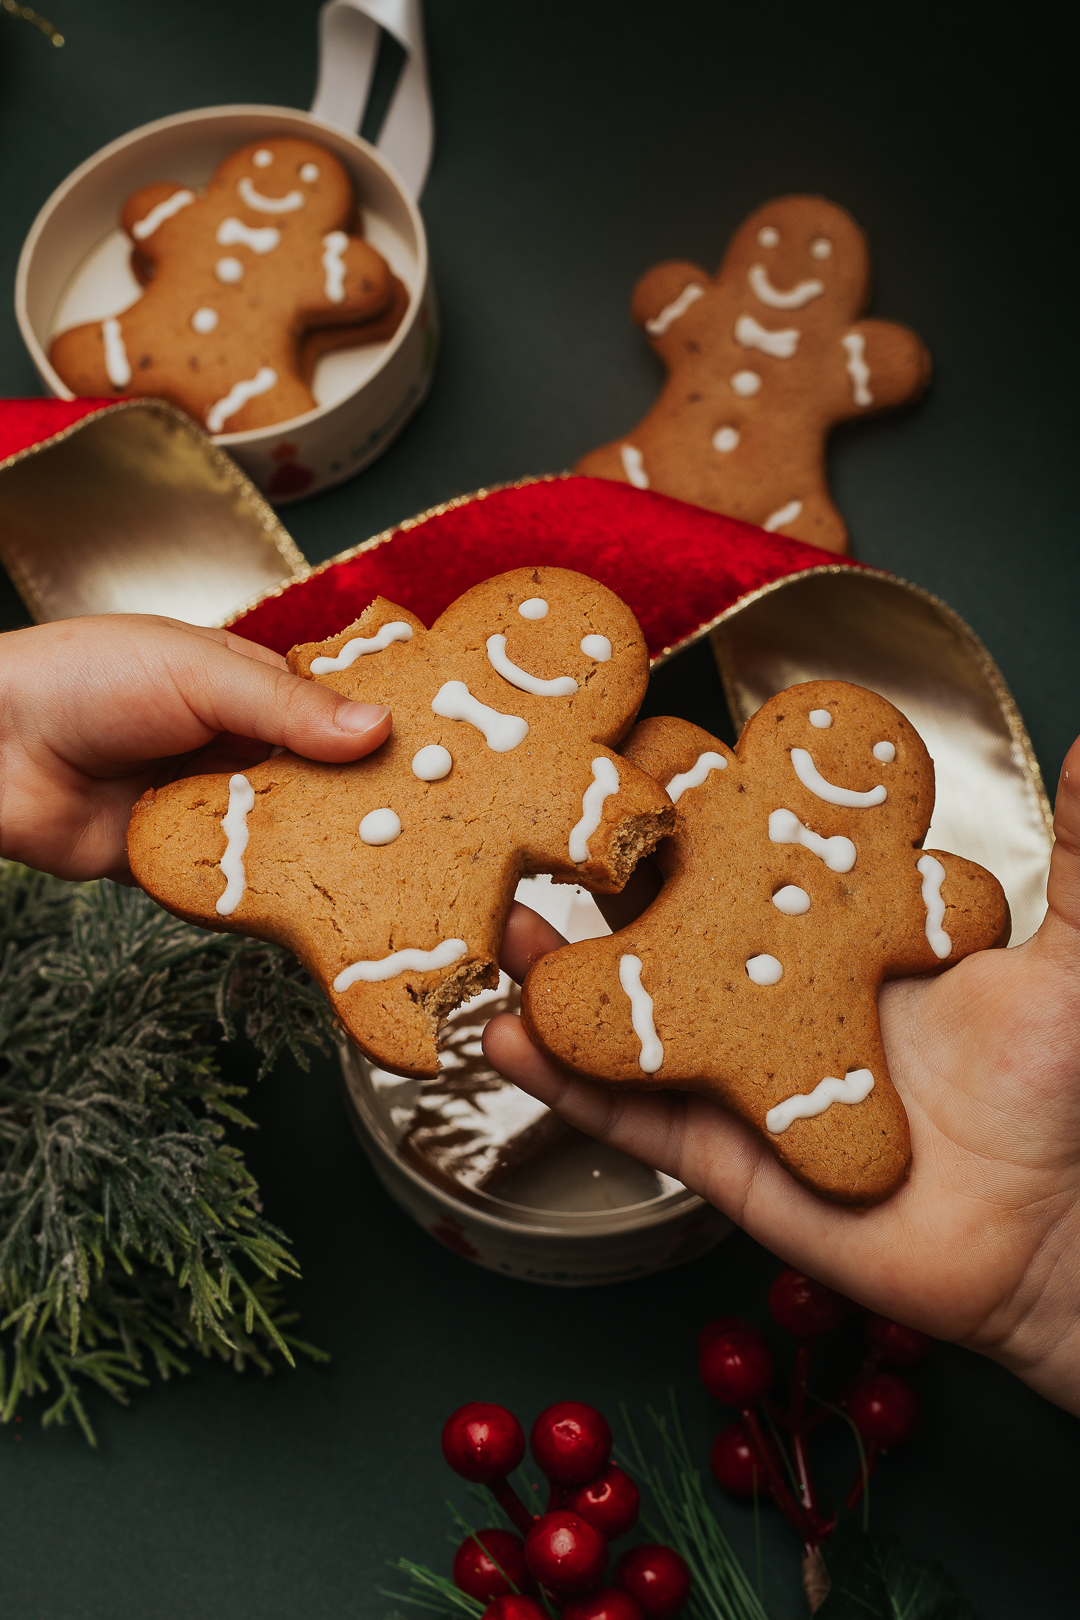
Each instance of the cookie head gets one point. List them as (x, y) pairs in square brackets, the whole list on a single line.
[(801, 253), (282, 179), (553, 636), (829, 749)]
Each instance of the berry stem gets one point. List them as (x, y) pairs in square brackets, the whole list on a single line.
[(512, 1505), (799, 1520), (870, 1457), (797, 1423)]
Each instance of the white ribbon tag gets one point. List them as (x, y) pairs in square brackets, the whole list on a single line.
[(348, 44)]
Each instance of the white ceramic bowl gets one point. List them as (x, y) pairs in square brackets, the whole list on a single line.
[(74, 267)]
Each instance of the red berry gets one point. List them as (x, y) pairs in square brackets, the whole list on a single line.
[(606, 1603), (713, 1330), (884, 1408), (609, 1504), (565, 1553), (490, 1564), (805, 1307), (571, 1442), (735, 1464), (656, 1578), (737, 1366), (482, 1442), (514, 1606), (898, 1345)]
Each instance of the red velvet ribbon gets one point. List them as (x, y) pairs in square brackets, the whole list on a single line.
[(678, 567)]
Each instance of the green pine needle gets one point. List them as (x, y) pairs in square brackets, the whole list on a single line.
[(131, 1234)]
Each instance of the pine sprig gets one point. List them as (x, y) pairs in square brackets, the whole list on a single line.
[(130, 1229)]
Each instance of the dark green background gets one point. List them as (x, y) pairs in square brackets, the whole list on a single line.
[(577, 144)]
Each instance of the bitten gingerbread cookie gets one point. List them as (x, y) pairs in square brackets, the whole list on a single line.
[(795, 886), (391, 878), (763, 360), (235, 279)]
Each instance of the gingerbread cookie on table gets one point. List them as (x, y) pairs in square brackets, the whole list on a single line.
[(763, 360), (795, 885), (391, 878), (235, 278)]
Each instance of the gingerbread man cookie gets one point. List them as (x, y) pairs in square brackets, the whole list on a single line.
[(391, 878), (763, 360), (796, 884), (235, 278)]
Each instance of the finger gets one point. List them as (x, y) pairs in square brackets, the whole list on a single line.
[(1060, 931), (526, 938), (642, 887), (235, 643)]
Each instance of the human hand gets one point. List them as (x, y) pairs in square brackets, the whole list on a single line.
[(982, 1244), (94, 711)]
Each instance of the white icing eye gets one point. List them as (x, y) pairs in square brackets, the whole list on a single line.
[(309, 173), (432, 763), (884, 751), (229, 270), (764, 970), (746, 383), (262, 158), (791, 900), (381, 826), (534, 608), (768, 236), (204, 320), (598, 647), (725, 439), (821, 247), (820, 718)]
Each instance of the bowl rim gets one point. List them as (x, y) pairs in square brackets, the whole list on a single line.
[(178, 121)]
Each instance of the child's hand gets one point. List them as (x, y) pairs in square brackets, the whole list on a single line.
[(95, 711), (982, 1244)]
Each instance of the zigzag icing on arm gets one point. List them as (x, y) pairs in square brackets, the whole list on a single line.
[(696, 775), (359, 646), (671, 312), (444, 955), (855, 1087), (604, 783), (933, 876), (641, 1014), (234, 824), (164, 210)]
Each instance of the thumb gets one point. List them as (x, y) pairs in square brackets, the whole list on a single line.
[(1061, 929)]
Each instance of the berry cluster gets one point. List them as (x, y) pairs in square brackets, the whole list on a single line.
[(736, 1365), (559, 1558)]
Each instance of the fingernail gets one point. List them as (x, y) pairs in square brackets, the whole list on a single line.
[(357, 717)]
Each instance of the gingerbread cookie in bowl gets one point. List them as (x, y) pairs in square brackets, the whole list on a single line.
[(763, 360), (391, 877), (795, 884), (236, 278)]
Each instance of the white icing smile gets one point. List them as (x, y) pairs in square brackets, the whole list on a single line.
[(444, 955), (781, 345), (235, 827), (696, 775), (561, 686), (762, 288), (810, 777), (855, 1087), (502, 732), (269, 205), (605, 782), (671, 312), (260, 239), (360, 646), (641, 1014)]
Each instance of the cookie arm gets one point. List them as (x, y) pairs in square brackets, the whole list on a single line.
[(352, 282), (886, 365), (665, 293), (608, 817), (962, 909)]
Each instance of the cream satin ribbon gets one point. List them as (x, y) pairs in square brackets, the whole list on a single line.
[(348, 46)]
